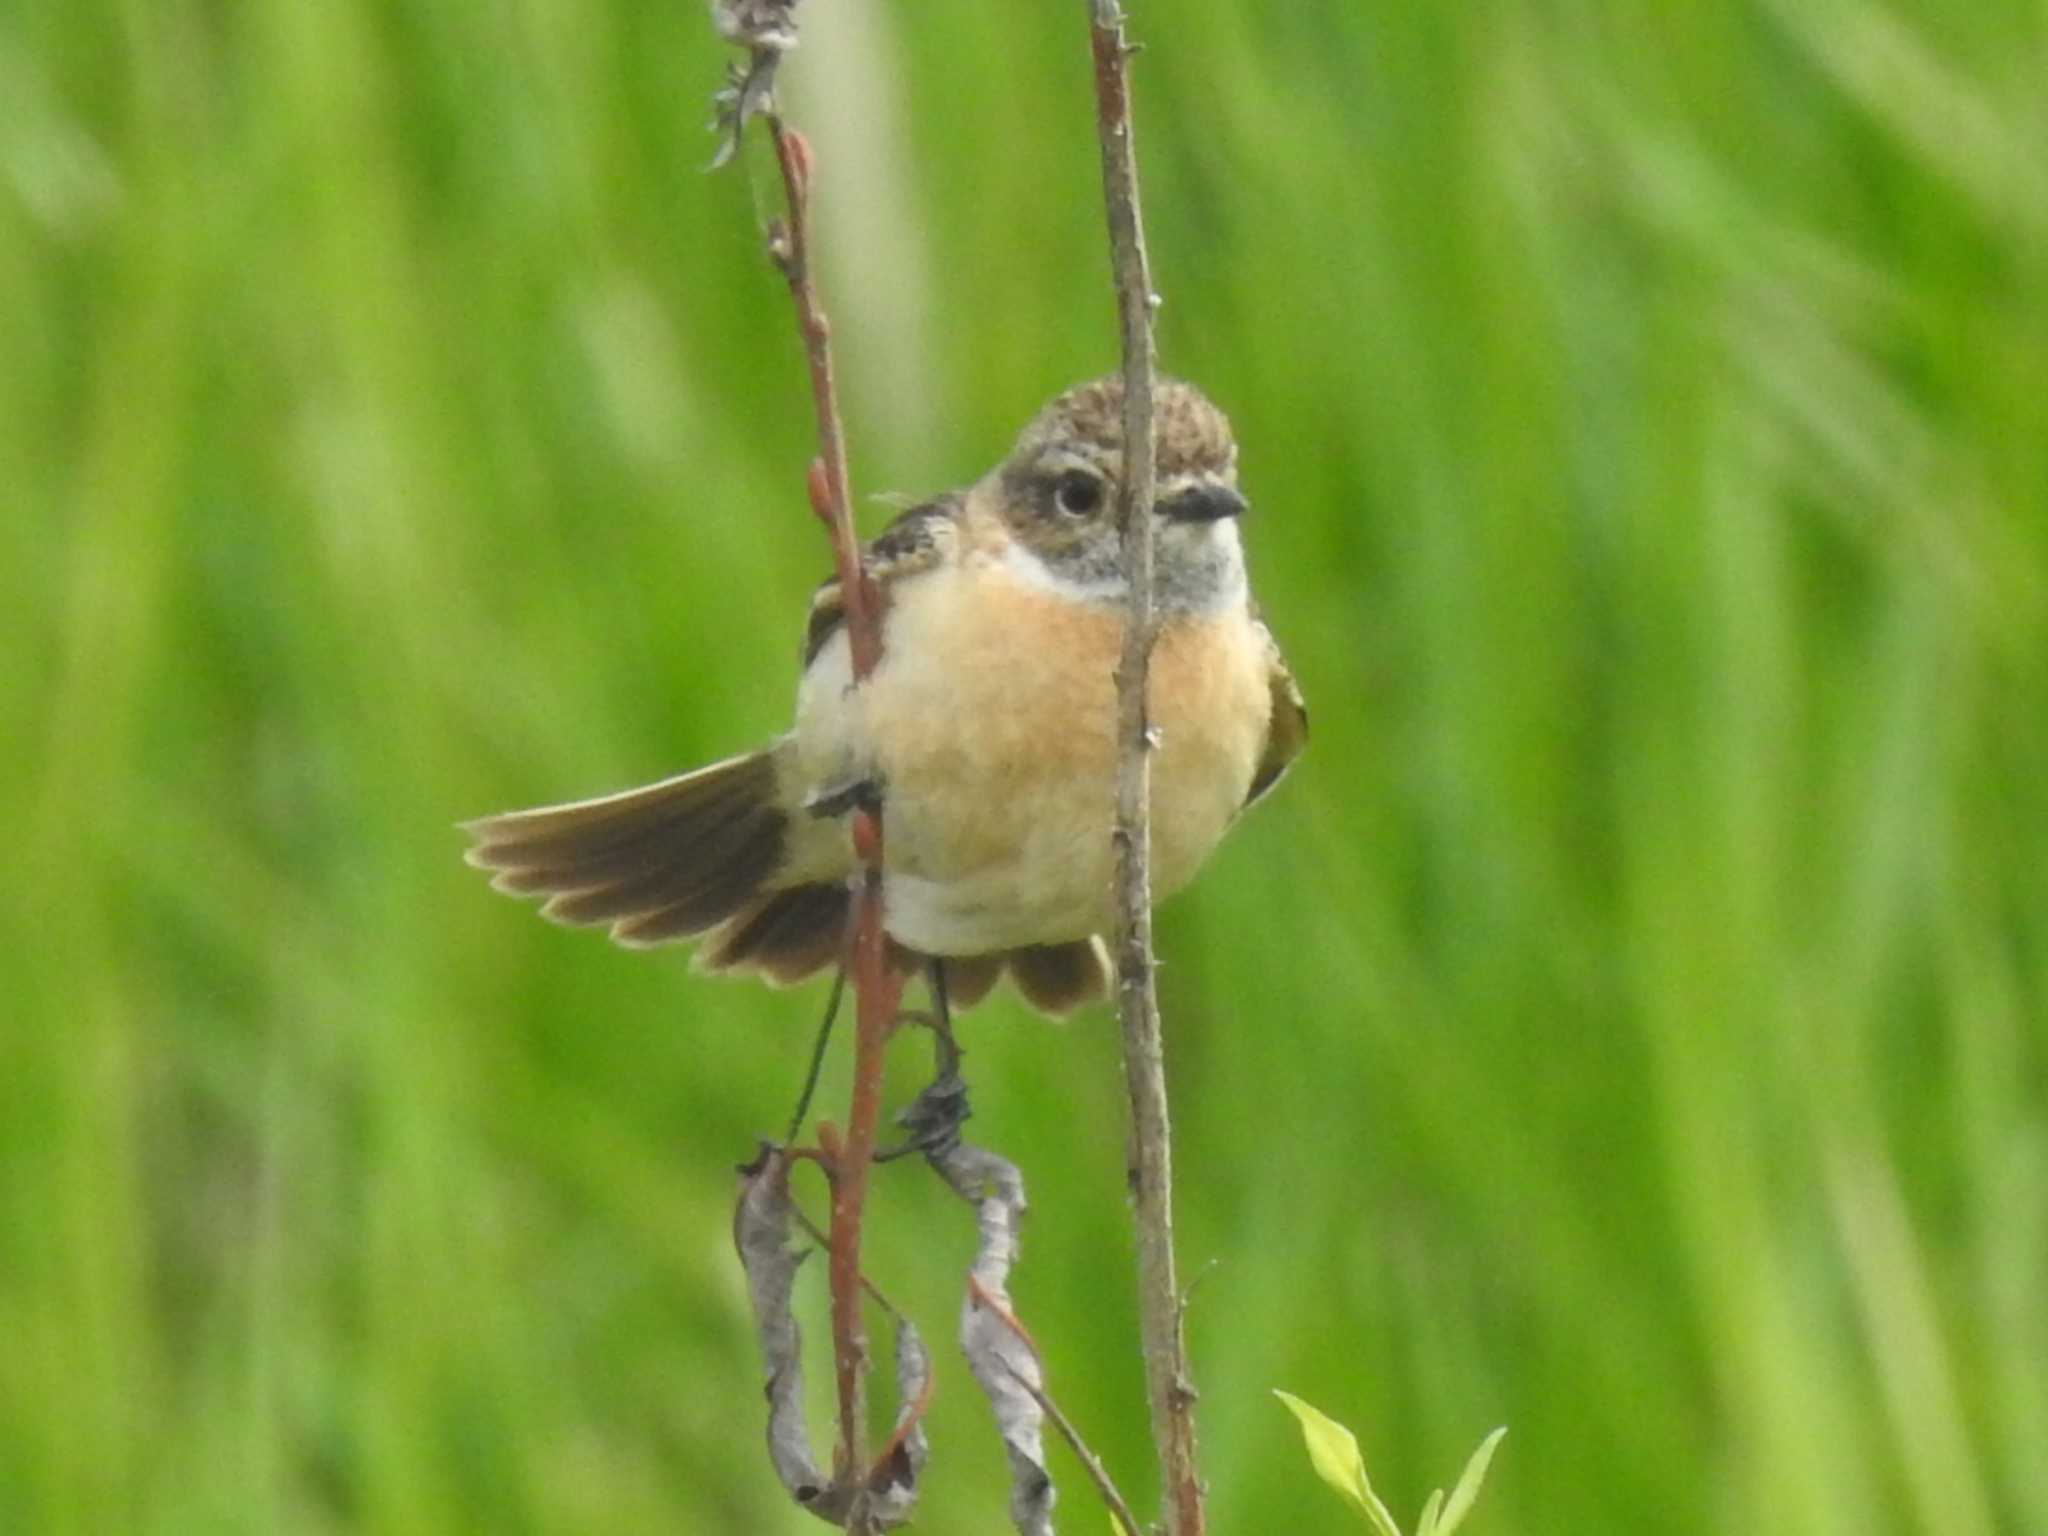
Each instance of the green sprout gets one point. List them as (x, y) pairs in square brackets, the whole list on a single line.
[(1333, 1452)]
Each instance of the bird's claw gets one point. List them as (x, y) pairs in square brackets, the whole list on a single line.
[(933, 1119)]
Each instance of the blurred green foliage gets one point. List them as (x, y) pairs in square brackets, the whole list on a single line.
[(1626, 1024)]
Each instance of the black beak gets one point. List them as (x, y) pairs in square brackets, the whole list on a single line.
[(1205, 504)]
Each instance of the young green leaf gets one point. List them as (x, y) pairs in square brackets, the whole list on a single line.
[(1333, 1452), (1468, 1485), (1432, 1511)]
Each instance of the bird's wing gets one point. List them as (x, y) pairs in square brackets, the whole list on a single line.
[(907, 546), (1287, 731)]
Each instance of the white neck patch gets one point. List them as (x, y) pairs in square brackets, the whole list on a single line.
[(1021, 562), (1203, 580)]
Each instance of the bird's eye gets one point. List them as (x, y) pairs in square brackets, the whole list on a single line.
[(1077, 493)]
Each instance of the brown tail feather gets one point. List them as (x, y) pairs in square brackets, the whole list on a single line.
[(784, 937), (692, 854), (971, 979), (672, 866), (1058, 978), (662, 862)]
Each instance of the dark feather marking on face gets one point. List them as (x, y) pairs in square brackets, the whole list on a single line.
[(1081, 433), (1078, 432)]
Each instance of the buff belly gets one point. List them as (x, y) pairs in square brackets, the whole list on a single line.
[(991, 727)]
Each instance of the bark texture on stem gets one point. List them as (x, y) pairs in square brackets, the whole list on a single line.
[(1168, 1386), (878, 991)]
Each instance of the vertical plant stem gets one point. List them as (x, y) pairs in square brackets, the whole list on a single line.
[(877, 992), (830, 492), (1169, 1389), (877, 996)]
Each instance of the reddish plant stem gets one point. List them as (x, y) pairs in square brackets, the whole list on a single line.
[(1169, 1388), (829, 483), (878, 996), (878, 992)]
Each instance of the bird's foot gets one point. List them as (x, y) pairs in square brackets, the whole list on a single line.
[(933, 1119)]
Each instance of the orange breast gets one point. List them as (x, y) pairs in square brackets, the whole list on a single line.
[(993, 722)]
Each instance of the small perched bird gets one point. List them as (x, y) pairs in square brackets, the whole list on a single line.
[(987, 734)]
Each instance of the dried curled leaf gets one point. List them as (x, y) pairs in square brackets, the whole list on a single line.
[(748, 93), (767, 30), (769, 24), (999, 1352), (761, 1225), (892, 1482), (760, 1230)]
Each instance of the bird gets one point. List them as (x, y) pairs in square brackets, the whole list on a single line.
[(986, 735)]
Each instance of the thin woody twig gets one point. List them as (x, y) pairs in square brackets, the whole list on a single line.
[(1169, 1389), (818, 1235), (790, 245), (817, 1063), (1119, 1510), (877, 991), (1033, 1387)]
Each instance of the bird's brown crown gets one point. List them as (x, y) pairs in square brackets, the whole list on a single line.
[(1193, 436)]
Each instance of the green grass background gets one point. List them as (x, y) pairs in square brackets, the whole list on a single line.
[(1626, 1024)]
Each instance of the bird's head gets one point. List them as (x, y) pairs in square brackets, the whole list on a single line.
[(1059, 491)]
